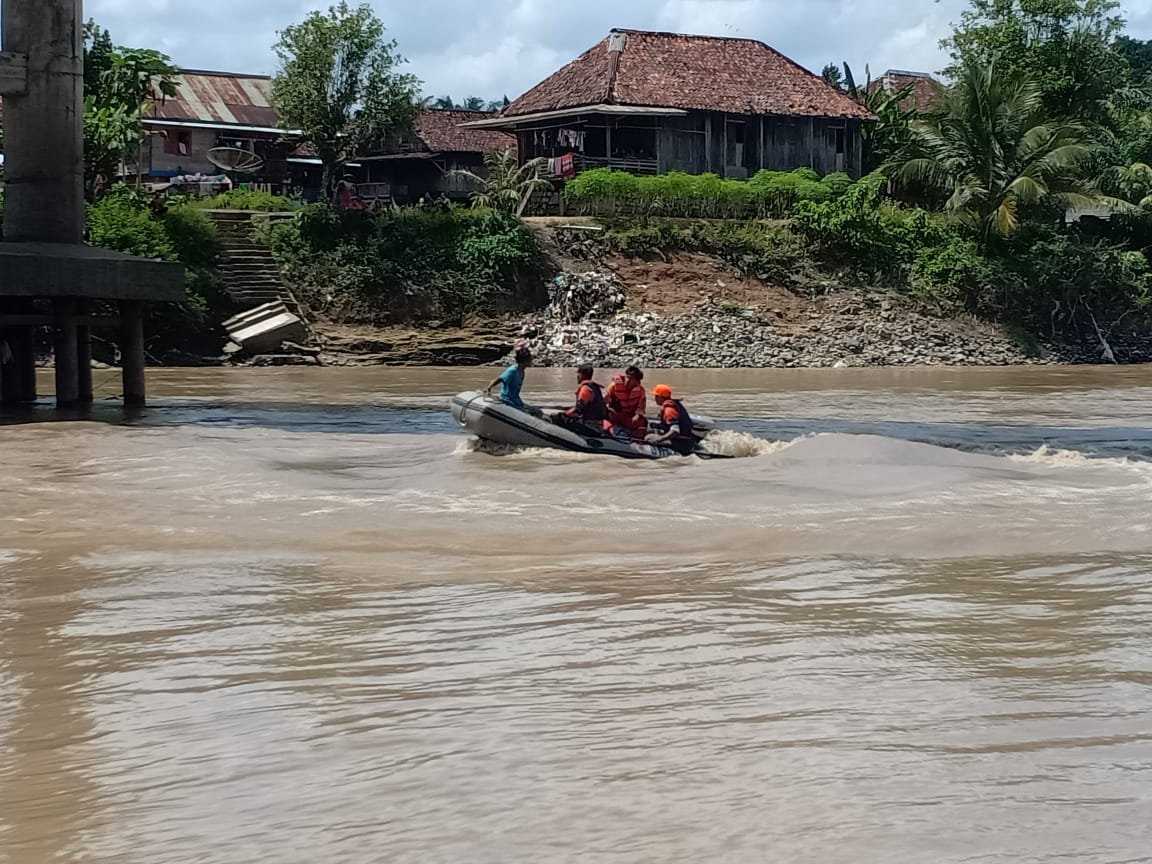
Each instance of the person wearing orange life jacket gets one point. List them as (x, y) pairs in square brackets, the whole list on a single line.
[(590, 413), (627, 403), (674, 423)]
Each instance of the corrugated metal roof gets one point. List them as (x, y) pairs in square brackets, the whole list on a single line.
[(220, 97)]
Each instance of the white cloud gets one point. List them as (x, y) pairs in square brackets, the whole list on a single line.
[(461, 47)]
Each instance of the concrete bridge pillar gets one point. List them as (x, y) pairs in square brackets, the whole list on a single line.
[(44, 125), (43, 256)]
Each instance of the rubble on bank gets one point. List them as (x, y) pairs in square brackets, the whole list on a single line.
[(842, 330)]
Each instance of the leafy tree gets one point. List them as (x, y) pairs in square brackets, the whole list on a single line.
[(1065, 46), (120, 86), (994, 152), (338, 83), (833, 76), (1138, 53), (508, 185)]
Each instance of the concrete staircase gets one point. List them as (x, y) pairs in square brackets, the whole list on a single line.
[(250, 272)]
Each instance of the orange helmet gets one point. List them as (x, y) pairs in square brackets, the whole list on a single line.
[(662, 391)]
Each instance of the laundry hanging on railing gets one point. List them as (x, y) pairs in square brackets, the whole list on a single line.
[(558, 139)]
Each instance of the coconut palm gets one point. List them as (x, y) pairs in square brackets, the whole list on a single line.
[(992, 151), (508, 185)]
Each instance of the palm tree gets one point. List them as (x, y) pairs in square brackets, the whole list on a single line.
[(508, 185), (1124, 155), (991, 151)]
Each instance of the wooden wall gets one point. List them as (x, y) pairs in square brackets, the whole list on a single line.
[(699, 143)]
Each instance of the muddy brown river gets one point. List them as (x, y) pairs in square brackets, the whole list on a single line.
[(298, 617)]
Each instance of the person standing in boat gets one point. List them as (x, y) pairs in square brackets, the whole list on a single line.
[(628, 403), (674, 423), (512, 380), (590, 413)]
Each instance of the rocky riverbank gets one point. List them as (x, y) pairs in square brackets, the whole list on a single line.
[(587, 322), (689, 312)]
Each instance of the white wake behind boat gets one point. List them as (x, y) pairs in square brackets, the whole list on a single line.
[(491, 420)]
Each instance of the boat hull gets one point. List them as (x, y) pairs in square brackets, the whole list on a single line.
[(491, 420)]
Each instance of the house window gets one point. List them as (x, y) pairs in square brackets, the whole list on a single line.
[(178, 142), (840, 142)]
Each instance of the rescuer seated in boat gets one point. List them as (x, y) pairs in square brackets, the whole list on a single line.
[(512, 379), (589, 416), (673, 424), (627, 403)]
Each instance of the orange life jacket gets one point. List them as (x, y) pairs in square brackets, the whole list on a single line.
[(627, 401)]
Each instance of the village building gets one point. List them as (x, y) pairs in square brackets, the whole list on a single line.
[(423, 163), (926, 94), (651, 103), (212, 110)]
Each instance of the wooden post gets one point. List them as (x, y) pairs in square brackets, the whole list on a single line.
[(67, 357), (132, 352), (84, 359)]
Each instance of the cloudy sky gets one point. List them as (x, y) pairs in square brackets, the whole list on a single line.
[(498, 47)]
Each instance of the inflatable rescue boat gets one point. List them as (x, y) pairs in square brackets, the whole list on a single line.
[(491, 420)]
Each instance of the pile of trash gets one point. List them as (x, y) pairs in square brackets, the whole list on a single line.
[(577, 297)]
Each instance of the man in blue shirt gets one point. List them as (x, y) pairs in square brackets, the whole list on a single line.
[(512, 379)]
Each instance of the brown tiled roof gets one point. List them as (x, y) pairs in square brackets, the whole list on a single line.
[(927, 92), (440, 131), (707, 73), (219, 97)]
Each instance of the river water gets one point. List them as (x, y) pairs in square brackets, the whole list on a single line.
[(295, 616)]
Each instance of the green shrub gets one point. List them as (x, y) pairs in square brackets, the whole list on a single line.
[(193, 236), (1061, 283), (772, 253), (244, 199), (953, 274), (867, 234), (768, 194), (496, 248), (123, 222), (405, 264)]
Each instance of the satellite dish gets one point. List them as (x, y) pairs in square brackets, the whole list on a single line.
[(235, 160)]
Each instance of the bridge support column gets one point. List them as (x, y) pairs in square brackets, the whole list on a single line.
[(67, 355), (18, 374), (84, 359), (132, 352)]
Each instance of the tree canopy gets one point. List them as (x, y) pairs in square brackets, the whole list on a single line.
[(469, 103), (994, 152), (120, 86), (339, 84), (1065, 46)]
